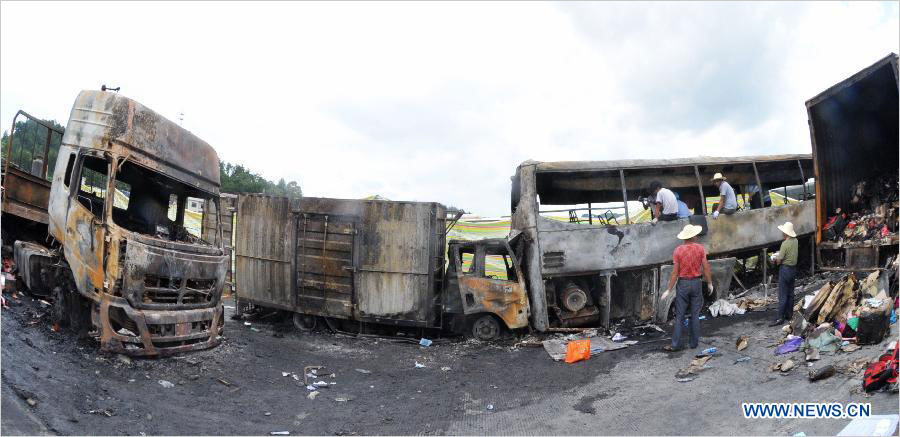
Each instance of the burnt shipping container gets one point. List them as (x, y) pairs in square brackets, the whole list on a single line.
[(854, 131), (363, 260)]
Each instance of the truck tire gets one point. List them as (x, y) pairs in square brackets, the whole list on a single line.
[(305, 322), (485, 327), (59, 314)]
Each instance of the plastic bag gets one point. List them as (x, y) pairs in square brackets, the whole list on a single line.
[(577, 350)]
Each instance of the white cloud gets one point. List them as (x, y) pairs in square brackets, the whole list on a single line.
[(438, 101)]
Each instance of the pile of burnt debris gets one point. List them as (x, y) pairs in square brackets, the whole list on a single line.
[(872, 214), (849, 310)]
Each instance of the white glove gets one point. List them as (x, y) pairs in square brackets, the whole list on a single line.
[(773, 257), (715, 214), (711, 289), (654, 220), (664, 295)]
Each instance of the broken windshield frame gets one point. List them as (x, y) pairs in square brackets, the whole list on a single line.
[(153, 204)]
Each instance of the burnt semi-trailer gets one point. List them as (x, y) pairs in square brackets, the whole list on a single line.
[(122, 256), (853, 128)]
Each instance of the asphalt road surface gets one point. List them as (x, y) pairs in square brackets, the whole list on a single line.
[(466, 387)]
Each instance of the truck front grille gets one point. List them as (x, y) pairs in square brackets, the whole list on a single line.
[(178, 291)]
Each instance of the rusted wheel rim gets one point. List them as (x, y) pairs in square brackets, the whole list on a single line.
[(486, 328), (304, 322)]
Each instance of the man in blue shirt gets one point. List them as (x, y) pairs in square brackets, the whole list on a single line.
[(683, 211), (727, 199)]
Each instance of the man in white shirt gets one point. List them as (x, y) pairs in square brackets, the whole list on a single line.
[(665, 206)]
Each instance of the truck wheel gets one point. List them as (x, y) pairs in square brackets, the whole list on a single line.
[(304, 322), (59, 312), (486, 328)]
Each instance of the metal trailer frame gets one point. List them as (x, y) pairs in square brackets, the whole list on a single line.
[(370, 261)]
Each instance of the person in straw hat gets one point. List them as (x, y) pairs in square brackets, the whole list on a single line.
[(787, 258), (727, 199), (689, 260)]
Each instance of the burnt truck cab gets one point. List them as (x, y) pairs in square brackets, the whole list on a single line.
[(124, 197), (485, 288)]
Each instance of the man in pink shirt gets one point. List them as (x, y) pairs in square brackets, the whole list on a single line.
[(689, 260)]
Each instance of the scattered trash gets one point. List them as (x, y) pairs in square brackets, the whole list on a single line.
[(578, 350), (224, 382), (697, 364), (419, 365), (125, 332), (812, 354), (821, 373), (800, 434), (313, 394), (783, 367), (320, 384), (267, 413), (556, 348), (741, 360), (341, 399), (742, 343), (125, 359), (708, 351), (280, 433), (296, 378), (490, 407), (311, 375), (722, 307), (254, 329), (688, 379), (166, 384), (310, 388), (425, 342), (852, 347), (246, 323), (790, 345), (285, 373), (30, 402), (445, 369), (106, 412), (364, 371), (44, 302), (618, 337)]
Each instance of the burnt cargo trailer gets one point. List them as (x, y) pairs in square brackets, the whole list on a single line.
[(353, 260), (854, 131)]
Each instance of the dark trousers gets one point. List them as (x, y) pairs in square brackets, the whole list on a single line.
[(786, 277), (688, 294), (668, 217)]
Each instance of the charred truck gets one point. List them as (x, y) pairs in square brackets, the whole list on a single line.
[(374, 264), (120, 197)]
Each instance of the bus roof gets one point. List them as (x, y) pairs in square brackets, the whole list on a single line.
[(101, 118), (564, 166)]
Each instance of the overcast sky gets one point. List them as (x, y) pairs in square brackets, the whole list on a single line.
[(440, 102)]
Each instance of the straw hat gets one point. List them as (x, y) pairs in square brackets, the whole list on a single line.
[(788, 228), (689, 231), (718, 176)]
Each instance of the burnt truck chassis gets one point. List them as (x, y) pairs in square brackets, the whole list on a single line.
[(139, 294)]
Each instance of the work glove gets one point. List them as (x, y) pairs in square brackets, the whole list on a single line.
[(712, 290), (664, 295), (654, 221), (773, 257), (715, 214)]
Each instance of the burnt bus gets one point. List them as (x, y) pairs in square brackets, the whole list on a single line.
[(604, 263), (124, 205)]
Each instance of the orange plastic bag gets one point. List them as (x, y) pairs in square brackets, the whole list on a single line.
[(577, 350)]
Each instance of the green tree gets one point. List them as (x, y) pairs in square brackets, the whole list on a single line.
[(239, 179), (30, 142)]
